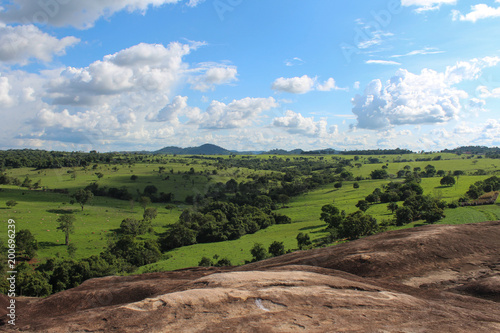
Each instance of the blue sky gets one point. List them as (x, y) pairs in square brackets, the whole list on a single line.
[(249, 75)]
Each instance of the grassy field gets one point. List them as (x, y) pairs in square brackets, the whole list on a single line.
[(38, 210)]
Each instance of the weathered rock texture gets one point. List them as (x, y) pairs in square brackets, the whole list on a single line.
[(427, 279)]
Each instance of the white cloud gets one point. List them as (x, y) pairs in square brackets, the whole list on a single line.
[(171, 112), (484, 92), (295, 123), (469, 70), (478, 12), (382, 62), (5, 87), (427, 5), (215, 74), (295, 85), (425, 98), (328, 85), (407, 99), (303, 85), (237, 114), (140, 69), (79, 14), (424, 51), (194, 3), (20, 44), (294, 62)]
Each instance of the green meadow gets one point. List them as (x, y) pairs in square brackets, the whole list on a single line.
[(38, 210)]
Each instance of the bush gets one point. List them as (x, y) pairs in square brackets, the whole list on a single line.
[(277, 249), (224, 262), (303, 241), (258, 252), (205, 262)]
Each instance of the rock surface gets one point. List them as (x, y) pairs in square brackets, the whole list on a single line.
[(426, 279)]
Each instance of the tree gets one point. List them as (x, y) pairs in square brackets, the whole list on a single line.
[(258, 252), (363, 205), (99, 175), (144, 202), (27, 182), (355, 185), (134, 178), (277, 249), (134, 227), (150, 191), (303, 240), (404, 215), (357, 224), (283, 199), (83, 197), (71, 250), (448, 180), (392, 206), (332, 216), (11, 203), (379, 174), (150, 214), (430, 171), (66, 225), (170, 207), (26, 243)]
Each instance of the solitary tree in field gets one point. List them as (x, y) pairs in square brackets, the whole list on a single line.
[(448, 180), (66, 225), (392, 206), (83, 197), (11, 203)]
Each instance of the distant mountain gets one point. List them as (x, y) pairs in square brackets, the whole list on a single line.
[(206, 149), (284, 152)]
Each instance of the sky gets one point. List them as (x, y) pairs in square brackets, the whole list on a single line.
[(111, 75)]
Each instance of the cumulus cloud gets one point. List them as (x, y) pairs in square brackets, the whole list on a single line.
[(295, 123), (478, 12), (20, 44), (5, 87), (426, 5), (237, 114), (407, 99), (485, 92), (79, 14), (214, 74), (144, 68), (425, 98), (171, 112), (295, 85), (303, 85), (328, 85)]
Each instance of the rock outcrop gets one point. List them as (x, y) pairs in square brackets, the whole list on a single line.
[(427, 279)]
